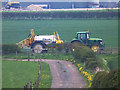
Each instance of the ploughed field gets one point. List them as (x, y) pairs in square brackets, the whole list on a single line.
[(14, 31)]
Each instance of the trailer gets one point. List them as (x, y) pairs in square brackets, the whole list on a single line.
[(39, 43)]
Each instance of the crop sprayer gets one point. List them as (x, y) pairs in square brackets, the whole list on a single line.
[(40, 43)]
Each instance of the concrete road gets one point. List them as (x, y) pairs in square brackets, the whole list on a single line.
[(65, 75)]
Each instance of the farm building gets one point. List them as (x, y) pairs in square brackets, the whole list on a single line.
[(37, 7), (70, 4)]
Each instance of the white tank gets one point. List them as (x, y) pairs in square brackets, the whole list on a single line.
[(46, 38)]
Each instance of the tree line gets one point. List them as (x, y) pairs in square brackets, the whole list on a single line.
[(62, 15)]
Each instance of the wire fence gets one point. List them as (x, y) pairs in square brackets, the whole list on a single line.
[(35, 85), (65, 48), (110, 50), (29, 54)]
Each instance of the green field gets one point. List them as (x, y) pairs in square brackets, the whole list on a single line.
[(15, 30), (15, 74), (112, 60)]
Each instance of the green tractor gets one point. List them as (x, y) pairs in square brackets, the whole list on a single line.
[(83, 38)]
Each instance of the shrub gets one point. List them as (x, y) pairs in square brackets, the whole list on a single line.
[(98, 79), (59, 47), (86, 55), (8, 49), (82, 53), (107, 80), (91, 64)]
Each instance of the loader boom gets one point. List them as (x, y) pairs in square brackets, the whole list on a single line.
[(58, 41), (29, 40)]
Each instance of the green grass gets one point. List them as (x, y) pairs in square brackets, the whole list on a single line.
[(14, 31), (15, 74), (112, 60), (57, 56), (46, 77)]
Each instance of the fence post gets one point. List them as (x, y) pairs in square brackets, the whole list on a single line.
[(66, 51), (16, 55), (110, 49), (33, 86), (30, 85), (24, 87), (34, 57), (28, 57), (40, 65)]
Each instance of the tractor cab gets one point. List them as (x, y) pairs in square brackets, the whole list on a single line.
[(83, 36)]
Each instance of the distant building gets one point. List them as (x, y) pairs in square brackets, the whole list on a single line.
[(37, 6), (12, 5), (93, 4), (66, 5)]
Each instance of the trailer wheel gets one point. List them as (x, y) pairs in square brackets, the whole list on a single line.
[(37, 48)]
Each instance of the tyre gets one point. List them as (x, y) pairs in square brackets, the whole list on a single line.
[(37, 48), (95, 48)]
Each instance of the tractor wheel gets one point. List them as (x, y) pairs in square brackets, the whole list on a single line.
[(95, 48), (37, 48)]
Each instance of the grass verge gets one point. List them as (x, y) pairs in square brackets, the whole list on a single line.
[(46, 77), (57, 56), (15, 74), (110, 60)]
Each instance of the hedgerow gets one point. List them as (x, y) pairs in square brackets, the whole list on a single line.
[(107, 80), (10, 48), (61, 15)]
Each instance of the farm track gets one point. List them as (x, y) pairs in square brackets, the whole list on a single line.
[(64, 74)]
